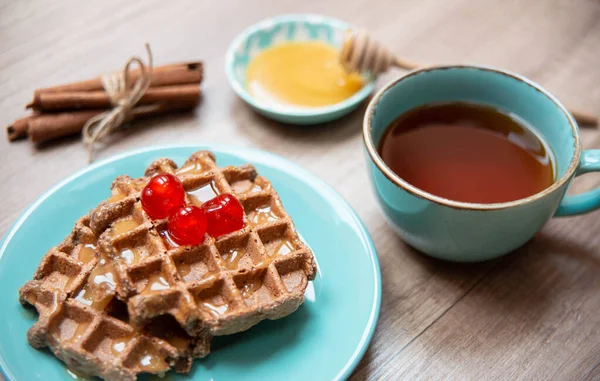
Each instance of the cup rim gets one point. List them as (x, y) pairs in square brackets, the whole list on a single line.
[(398, 181)]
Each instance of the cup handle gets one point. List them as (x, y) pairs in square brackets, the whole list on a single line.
[(588, 201)]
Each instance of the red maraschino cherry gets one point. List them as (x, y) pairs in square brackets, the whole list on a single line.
[(187, 225), (224, 214), (162, 195)]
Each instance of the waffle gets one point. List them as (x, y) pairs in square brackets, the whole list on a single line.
[(171, 299), (91, 334), (223, 286)]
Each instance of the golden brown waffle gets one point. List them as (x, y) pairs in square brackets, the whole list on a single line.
[(223, 286), (92, 334), (119, 281)]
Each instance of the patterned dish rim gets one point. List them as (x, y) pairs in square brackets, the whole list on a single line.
[(270, 22)]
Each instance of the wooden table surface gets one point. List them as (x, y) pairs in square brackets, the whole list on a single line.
[(534, 314)]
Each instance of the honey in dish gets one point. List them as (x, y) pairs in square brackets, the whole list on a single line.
[(469, 153), (305, 74)]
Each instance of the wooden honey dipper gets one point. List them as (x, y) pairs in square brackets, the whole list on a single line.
[(362, 54)]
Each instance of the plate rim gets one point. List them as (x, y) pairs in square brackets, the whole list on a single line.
[(304, 173)]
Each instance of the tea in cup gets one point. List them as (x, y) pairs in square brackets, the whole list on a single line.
[(469, 162)]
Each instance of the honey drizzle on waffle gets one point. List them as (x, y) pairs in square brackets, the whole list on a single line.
[(117, 196), (215, 307), (156, 282), (118, 346), (87, 253), (130, 255), (75, 335), (124, 226), (232, 258), (203, 193), (262, 215), (100, 286)]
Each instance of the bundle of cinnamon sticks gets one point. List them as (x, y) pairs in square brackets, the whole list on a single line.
[(63, 110)]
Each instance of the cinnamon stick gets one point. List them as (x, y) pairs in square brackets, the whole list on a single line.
[(18, 129), (81, 100), (52, 126), (167, 75)]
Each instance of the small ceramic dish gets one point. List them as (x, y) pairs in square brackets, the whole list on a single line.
[(276, 30)]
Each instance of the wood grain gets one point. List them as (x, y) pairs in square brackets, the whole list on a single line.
[(534, 314)]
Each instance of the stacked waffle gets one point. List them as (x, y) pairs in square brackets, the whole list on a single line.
[(119, 297)]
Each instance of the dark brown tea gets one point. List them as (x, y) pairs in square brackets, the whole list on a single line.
[(466, 152)]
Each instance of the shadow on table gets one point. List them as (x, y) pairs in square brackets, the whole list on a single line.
[(525, 281), (256, 127), (522, 291), (528, 282)]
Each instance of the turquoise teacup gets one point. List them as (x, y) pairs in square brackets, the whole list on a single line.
[(468, 232)]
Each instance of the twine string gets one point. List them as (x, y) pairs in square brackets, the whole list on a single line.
[(123, 99)]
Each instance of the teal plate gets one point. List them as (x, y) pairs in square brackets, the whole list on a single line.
[(323, 340)]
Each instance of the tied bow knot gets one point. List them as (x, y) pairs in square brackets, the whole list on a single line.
[(123, 98)]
